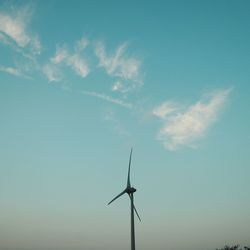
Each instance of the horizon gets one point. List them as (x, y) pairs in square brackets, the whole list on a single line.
[(83, 82)]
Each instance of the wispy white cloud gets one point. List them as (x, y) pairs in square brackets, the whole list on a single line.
[(119, 65), (81, 44), (125, 70), (183, 126), (166, 109), (78, 64), (108, 99), (14, 31), (52, 72), (60, 55), (3, 39), (117, 86), (63, 57), (12, 71)]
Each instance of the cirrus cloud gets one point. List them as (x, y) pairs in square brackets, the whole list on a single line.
[(14, 31), (121, 66), (183, 126), (13, 71), (63, 57)]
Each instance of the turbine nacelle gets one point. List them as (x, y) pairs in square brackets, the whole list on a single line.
[(130, 190)]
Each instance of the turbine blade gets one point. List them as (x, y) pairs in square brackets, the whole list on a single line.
[(123, 192), (135, 209), (128, 180), (137, 213)]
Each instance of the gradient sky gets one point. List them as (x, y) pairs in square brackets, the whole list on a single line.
[(81, 82)]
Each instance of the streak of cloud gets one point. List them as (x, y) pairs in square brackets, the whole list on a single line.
[(108, 99), (13, 71)]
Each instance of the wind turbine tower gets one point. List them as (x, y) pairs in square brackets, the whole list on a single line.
[(130, 191)]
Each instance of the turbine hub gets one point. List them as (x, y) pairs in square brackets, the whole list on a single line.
[(130, 190)]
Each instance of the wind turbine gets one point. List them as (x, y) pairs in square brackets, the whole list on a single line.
[(130, 191)]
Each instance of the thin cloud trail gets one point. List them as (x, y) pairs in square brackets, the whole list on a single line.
[(108, 98), (13, 71), (102, 96)]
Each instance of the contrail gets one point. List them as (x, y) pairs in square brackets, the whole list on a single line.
[(108, 98)]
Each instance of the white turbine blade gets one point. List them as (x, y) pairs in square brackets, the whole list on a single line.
[(123, 192), (128, 181)]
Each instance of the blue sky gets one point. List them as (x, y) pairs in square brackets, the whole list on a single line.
[(84, 81)]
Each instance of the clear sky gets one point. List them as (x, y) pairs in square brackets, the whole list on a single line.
[(81, 82)]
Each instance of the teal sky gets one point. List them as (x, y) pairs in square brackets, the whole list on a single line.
[(81, 82)]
